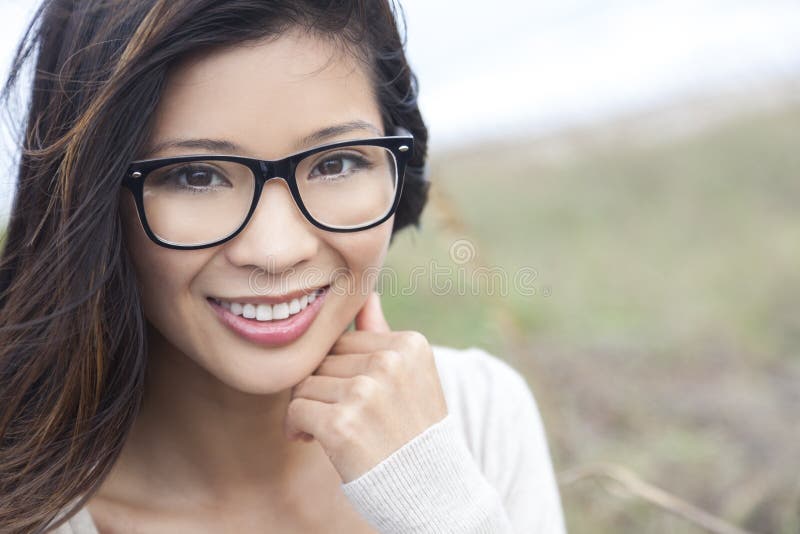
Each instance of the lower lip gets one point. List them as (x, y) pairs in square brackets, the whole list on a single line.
[(271, 333)]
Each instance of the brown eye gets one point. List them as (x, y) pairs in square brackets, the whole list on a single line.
[(331, 166), (199, 178), (195, 178), (335, 167)]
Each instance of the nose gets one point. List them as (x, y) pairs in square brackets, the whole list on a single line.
[(277, 236)]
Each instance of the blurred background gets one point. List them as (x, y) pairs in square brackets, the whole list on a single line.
[(639, 162)]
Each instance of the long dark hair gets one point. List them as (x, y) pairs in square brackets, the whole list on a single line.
[(72, 333)]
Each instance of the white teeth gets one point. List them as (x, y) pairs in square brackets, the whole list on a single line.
[(280, 311), (266, 312)]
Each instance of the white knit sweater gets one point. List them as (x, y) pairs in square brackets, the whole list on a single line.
[(484, 468)]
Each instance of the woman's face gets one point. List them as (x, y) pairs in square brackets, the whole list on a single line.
[(267, 99)]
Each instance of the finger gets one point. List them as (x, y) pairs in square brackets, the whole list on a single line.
[(377, 365), (343, 365), (328, 389), (370, 318), (360, 341), (306, 416), (311, 417)]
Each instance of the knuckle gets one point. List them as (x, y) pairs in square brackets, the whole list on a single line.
[(414, 339), (362, 388), (291, 409), (386, 361), (342, 427)]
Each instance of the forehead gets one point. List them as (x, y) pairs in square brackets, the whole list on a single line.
[(265, 96)]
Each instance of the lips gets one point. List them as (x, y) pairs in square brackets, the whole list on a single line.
[(274, 331)]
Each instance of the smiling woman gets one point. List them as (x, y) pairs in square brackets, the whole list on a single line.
[(197, 179)]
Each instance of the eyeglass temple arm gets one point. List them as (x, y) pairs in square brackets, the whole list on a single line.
[(399, 130)]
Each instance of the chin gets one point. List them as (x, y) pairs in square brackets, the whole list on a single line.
[(257, 372)]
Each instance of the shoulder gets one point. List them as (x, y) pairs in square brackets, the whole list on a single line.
[(474, 366), (496, 412), (498, 417), (80, 523), (486, 396), (476, 382)]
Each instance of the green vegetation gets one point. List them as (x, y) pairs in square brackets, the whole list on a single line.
[(664, 331)]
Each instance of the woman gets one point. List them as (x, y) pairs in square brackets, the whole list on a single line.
[(204, 189)]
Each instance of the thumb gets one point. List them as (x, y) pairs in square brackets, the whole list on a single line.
[(370, 317)]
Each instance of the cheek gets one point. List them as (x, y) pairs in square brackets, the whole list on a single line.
[(161, 273), (363, 254), (363, 250)]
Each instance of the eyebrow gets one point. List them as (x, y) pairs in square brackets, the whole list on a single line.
[(334, 131), (225, 146)]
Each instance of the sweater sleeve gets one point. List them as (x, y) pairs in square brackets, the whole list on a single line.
[(430, 485), (500, 480)]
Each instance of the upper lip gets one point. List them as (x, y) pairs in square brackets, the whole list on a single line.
[(270, 299)]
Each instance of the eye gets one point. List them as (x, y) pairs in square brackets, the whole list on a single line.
[(336, 166), (194, 178)]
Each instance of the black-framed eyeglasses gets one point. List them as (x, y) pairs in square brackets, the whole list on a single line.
[(199, 201)]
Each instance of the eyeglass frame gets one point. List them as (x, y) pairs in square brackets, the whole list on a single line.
[(263, 170)]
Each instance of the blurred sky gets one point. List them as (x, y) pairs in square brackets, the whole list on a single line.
[(534, 65)]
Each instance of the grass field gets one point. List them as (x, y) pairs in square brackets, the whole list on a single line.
[(663, 332)]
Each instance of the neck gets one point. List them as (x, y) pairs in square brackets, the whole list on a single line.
[(196, 434)]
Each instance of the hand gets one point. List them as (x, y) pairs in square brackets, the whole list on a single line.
[(375, 391)]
